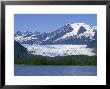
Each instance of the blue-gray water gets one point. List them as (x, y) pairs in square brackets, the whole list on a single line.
[(21, 70)]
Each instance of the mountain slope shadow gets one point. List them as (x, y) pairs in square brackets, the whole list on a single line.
[(19, 50)]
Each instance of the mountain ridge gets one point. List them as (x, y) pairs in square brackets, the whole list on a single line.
[(76, 33)]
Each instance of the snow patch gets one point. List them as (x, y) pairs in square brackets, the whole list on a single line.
[(46, 38)]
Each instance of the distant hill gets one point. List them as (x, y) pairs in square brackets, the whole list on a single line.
[(93, 44), (19, 50)]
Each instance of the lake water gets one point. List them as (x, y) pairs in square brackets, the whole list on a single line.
[(21, 70)]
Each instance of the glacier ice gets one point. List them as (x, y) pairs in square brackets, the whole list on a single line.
[(59, 50)]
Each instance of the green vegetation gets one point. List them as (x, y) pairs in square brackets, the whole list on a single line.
[(59, 60)]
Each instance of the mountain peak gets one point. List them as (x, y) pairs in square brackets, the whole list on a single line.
[(85, 25)]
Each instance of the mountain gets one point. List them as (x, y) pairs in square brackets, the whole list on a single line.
[(75, 33), (81, 34)]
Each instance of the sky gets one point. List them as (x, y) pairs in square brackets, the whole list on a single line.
[(50, 22)]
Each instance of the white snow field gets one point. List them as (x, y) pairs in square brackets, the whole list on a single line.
[(59, 50)]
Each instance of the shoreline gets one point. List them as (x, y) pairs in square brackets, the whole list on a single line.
[(52, 65)]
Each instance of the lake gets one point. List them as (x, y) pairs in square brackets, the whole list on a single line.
[(22, 70)]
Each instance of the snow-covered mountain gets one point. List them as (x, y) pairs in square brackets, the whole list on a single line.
[(75, 33)]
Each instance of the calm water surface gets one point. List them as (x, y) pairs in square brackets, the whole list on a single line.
[(21, 70)]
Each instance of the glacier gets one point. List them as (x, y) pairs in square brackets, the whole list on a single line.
[(59, 50)]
